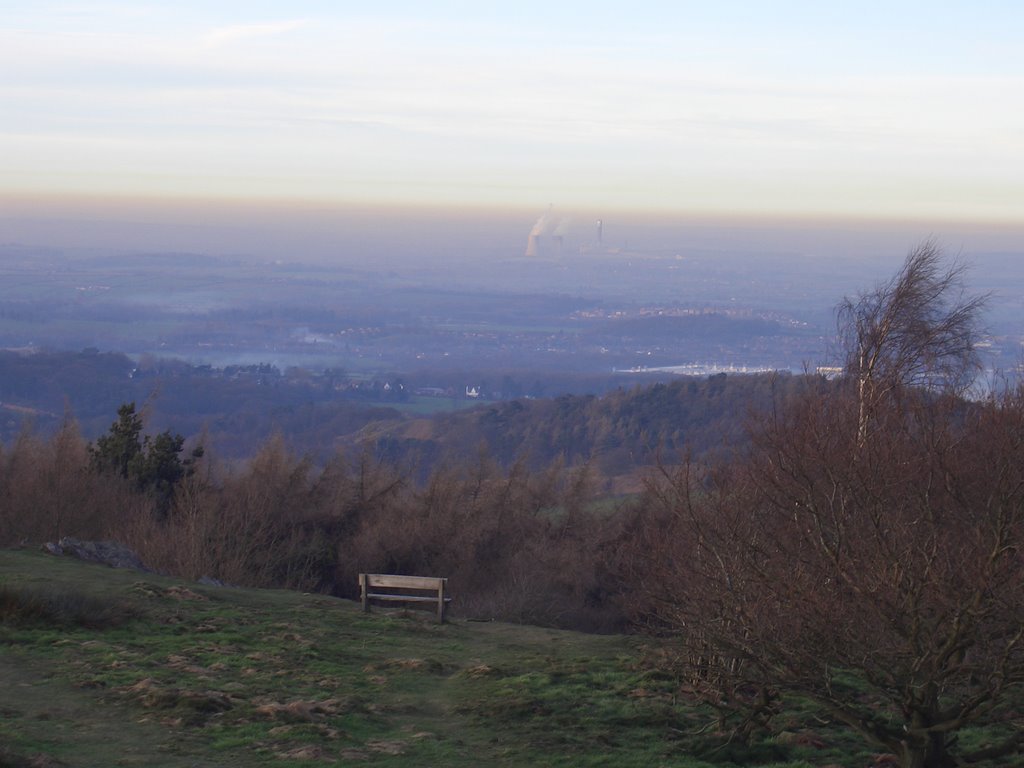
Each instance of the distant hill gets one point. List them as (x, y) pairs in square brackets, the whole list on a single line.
[(616, 433), (235, 410), (717, 326), (238, 409)]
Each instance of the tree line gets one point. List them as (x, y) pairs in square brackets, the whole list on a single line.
[(238, 407)]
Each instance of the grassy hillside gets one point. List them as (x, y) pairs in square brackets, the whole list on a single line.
[(102, 667)]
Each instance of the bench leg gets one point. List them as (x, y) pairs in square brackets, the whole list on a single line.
[(364, 591)]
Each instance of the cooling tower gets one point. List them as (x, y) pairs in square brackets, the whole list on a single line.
[(531, 245)]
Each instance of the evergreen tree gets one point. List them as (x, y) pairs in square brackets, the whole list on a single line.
[(118, 450), (153, 464)]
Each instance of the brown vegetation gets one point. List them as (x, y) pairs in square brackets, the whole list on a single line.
[(524, 545), (865, 558)]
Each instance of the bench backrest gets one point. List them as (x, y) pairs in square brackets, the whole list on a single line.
[(393, 581)]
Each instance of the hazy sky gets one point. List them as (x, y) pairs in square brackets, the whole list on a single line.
[(903, 109)]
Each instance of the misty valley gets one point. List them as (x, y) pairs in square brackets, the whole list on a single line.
[(460, 324)]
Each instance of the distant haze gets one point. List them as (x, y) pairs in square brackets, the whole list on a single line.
[(871, 110), (390, 237)]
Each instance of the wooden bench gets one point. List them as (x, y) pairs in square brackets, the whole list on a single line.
[(406, 589)]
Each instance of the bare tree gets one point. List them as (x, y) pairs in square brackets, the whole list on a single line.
[(881, 578), (917, 329)]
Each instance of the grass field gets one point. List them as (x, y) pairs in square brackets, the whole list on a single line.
[(421, 405), (104, 667)]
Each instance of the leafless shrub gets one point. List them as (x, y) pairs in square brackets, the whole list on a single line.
[(876, 573)]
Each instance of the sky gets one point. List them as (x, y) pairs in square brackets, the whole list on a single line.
[(896, 110)]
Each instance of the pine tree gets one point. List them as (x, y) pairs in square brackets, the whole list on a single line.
[(153, 464)]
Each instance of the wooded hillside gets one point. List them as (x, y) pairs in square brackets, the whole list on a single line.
[(236, 409)]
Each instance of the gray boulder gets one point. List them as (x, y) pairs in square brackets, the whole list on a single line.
[(107, 552)]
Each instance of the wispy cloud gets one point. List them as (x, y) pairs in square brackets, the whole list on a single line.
[(240, 32), (326, 101)]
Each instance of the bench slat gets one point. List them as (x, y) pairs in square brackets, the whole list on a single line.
[(411, 598)]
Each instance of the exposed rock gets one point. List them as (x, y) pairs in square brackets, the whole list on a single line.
[(106, 552), (44, 761), (387, 747), (183, 593)]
